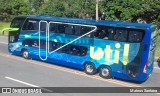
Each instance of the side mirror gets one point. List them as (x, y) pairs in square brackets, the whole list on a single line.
[(10, 29)]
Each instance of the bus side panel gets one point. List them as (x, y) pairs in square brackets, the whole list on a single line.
[(149, 52), (145, 54), (15, 48), (119, 56)]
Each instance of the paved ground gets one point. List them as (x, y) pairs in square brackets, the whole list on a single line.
[(18, 72)]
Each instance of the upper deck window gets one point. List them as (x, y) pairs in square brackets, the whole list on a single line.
[(31, 25), (70, 29), (119, 34), (135, 36), (57, 28)]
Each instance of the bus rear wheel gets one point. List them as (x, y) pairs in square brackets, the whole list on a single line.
[(90, 68), (25, 54), (105, 72)]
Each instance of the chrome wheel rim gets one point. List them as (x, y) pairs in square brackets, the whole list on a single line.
[(25, 54), (89, 68), (105, 72)]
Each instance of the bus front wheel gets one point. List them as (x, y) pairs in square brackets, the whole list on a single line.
[(105, 72), (90, 68), (25, 54)]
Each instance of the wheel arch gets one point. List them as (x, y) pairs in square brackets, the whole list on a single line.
[(23, 49)]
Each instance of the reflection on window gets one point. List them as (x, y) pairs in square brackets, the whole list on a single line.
[(120, 35), (135, 36), (61, 28), (43, 26), (70, 49), (70, 29), (101, 34), (78, 30), (31, 25), (111, 33), (17, 22), (54, 27)]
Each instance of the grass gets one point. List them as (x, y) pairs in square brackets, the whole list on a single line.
[(4, 25)]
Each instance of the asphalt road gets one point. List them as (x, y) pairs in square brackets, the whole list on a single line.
[(18, 72)]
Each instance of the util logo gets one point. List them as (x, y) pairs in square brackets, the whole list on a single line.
[(107, 51)]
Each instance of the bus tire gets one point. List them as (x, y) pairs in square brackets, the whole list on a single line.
[(89, 68), (105, 72), (25, 54)]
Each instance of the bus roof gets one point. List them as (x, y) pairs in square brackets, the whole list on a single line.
[(92, 22)]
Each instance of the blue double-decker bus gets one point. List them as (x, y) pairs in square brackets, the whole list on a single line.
[(110, 48)]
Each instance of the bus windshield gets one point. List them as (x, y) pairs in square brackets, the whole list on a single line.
[(17, 22)]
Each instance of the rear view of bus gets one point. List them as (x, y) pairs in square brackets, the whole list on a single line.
[(143, 70), (149, 48)]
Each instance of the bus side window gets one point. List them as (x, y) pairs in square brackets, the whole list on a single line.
[(30, 25), (77, 30), (66, 48), (61, 28), (102, 34), (74, 50), (135, 36), (25, 43), (111, 33), (96, 34), (25, 26), (77, 50), (83, 51), (69, 29), (35, 43), (85, 30), (43, 26), (54, 45), (58, 45), (121, 35), (54, 27)]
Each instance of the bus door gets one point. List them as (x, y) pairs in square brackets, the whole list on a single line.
[(43, 39)]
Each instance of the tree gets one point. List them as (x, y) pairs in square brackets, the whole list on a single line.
[(69, 8), (35, 5), (13, 7), (148, 10)]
